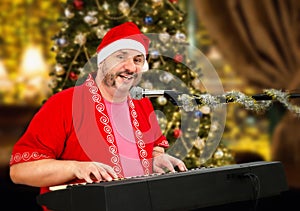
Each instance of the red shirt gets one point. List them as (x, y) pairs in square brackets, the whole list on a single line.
[(74, 125)]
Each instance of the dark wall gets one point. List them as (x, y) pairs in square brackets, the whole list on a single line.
[(13, 122)]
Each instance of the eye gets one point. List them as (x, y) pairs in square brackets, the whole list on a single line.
[(139, 60), (120, 56)]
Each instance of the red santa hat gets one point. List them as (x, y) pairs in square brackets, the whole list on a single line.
[(124, 36)]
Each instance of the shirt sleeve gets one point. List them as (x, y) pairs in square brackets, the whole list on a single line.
[(46, 133)]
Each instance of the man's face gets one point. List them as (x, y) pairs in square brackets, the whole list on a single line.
[(122, 69)]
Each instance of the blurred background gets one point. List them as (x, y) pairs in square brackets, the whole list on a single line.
[(253, 45)]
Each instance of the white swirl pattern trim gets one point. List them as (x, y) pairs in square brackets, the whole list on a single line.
[(105, 121), (139, 136), (26, 156)]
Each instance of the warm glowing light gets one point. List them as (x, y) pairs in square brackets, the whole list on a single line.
[(5, 83), (33, 62), (3, 73)]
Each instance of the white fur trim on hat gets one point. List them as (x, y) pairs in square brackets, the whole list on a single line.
[(118, 45)]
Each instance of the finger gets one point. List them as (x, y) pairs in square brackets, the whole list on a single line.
[(106, 171), (104, 174), (88, 179), (96, 176), (181, 166), (110, 171), (179, 163), (168, 164), (157, 169)]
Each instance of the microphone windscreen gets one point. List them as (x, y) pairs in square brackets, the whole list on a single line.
[(136, 92)]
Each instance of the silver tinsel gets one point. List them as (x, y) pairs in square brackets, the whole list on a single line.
[(283, 98), (248, 102)]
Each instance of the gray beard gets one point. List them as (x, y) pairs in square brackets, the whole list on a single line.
[(110, 80)]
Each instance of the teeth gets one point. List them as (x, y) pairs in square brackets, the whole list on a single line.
[(129, 77)]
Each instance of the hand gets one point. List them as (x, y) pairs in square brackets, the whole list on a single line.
[(165, 161), (94, 171)]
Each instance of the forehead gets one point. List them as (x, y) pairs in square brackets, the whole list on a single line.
[(127, 52)]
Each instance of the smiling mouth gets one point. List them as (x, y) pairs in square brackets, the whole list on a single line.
[(127, 77)]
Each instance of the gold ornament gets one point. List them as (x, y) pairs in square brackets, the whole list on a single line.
[(199, 143), (105, 6), (91, 20), (180, 37), (80, 39), (218, 154), (68, 13), (157, 3), (162, 100), (124, 7), (59, 70)]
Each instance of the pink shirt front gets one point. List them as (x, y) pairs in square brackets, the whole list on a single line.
[(125, 140)]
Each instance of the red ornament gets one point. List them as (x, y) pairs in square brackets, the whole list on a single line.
[(177, 133), (78, 4), (174, 1), (73, 76), (178, 58)]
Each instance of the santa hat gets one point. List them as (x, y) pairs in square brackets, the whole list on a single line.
[(124, 36)]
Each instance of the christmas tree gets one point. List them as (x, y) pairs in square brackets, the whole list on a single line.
[(190, 128)]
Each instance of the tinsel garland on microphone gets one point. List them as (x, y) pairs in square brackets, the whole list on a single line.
[(248, 102)]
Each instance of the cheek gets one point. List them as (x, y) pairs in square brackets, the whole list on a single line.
[(109, 80)]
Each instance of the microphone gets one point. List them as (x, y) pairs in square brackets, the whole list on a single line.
[(138, 93)]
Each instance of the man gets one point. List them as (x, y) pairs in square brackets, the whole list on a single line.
[(95, 131)]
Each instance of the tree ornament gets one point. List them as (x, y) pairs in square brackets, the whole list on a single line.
[(91, 20), (124, 7), (54, 48), (199, 143), (59, 69), (180, 37), (196, 83), (53, 82), (61, 42), (162, 100), (173, 1), (218, 154), (69, 14), (78, 4), (100, 31), (198, 113), (154, 54), (105, 6), (80, 39), (144, 29), (177, 133), (148, 20), (178, 58), (157, 3), (73, 76)]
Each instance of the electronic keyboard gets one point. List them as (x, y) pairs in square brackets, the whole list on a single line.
[(192, 189)]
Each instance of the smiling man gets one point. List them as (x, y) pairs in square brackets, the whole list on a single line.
[(96, 131)]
